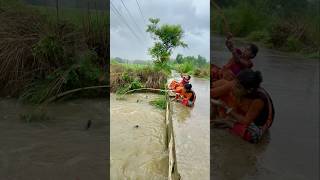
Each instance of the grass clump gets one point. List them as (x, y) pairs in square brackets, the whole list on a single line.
[(51, 55), (160, 102)]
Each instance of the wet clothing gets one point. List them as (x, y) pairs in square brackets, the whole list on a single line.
[(188, 98), (235, 67), (253, 131), (176, 86), (231, 69)]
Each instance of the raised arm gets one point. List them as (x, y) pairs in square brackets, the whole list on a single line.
[(231, 48)]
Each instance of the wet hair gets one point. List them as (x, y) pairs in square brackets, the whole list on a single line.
[(250, 79), (254, 50), (188, 86)]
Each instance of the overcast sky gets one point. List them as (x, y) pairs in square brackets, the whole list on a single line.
[(192, 15)]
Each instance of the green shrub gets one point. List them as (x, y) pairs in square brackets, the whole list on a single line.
[(293, 44), (186, 67), (244, 19), (160, 102), (261, 36), (135, 84)]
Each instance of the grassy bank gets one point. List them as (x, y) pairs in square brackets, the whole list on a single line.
[(42, 55), (291, 26), (125, 77)]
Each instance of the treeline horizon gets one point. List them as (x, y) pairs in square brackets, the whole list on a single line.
[(82, 4), (285, 25)]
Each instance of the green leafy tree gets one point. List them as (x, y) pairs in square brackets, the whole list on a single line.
[(179, 59), (167, 37)]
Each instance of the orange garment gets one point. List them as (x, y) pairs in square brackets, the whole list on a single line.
[(250, 109), (187, 95), (186, 98), (175, 85), (223, 90)]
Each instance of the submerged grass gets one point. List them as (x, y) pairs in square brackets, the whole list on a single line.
[(34, 117), (159, 102)]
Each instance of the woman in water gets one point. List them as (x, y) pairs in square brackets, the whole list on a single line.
[(252, 112), (187, 96)]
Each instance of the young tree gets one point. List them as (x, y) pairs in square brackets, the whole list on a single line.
[(179, 59), (167, 37)]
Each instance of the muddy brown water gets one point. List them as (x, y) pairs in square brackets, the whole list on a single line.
[(291, 148), (137, 136), (138, 149), (192, 133), (58, 148)]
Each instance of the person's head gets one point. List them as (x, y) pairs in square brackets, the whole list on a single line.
[(250, 51), (188, 87), (187, 77), (248, 81)]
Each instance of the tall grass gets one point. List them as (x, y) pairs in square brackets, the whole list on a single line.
[(42, 55), (124, 77)]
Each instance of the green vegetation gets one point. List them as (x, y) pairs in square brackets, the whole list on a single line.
[(160, 102), (44, 53), (196, 66), (286, 25), (125, 77), (167, 37)]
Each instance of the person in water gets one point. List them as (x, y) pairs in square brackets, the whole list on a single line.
[(178, 86), (252, 113), (187, 96), (241, 59)]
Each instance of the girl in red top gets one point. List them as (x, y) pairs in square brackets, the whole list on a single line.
[(240, 60)]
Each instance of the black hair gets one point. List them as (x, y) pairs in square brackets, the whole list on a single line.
[(189, 77), (254, 50), (250, 79), (188, 86)]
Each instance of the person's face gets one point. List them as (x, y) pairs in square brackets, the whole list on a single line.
[(247, 52)]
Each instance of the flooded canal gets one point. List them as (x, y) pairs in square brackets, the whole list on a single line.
[(57, 148), (192, 134), (137, 136), (292, 149)]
